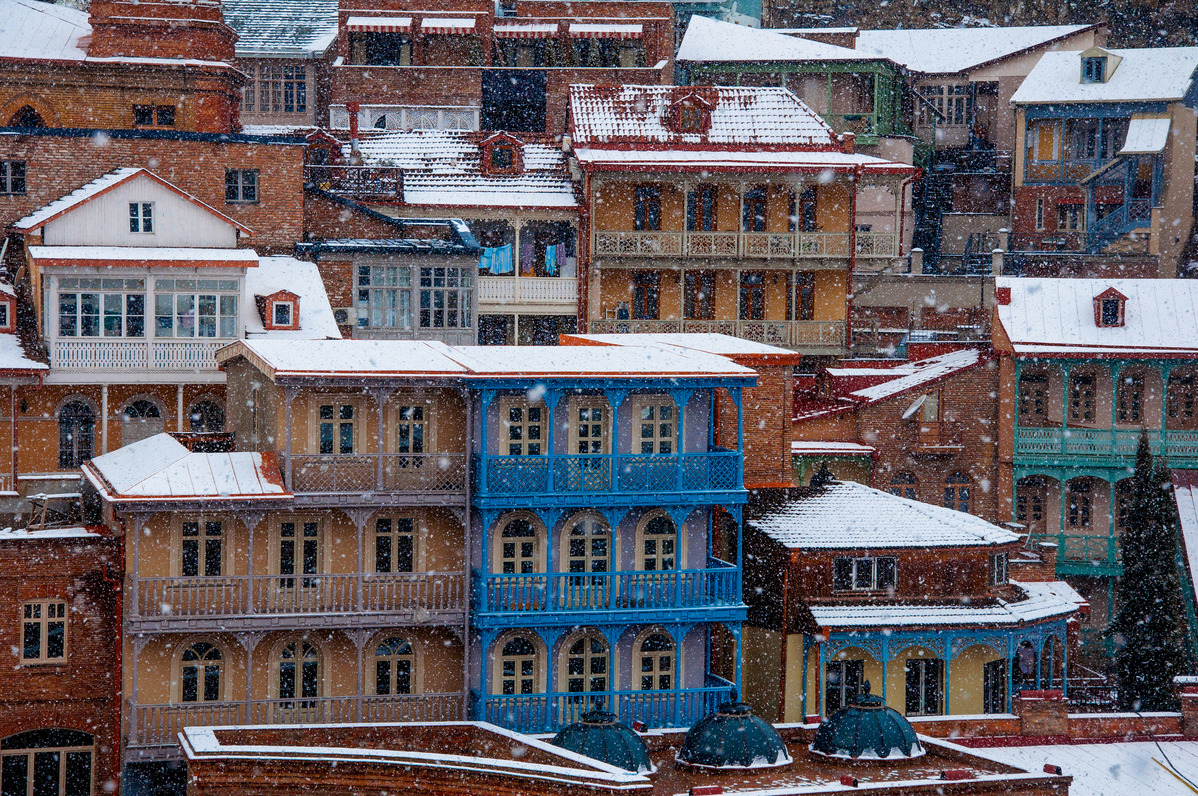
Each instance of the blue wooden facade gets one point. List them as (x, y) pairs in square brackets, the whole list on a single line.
[(600, 508)]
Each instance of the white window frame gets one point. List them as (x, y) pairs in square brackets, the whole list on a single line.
[(101, 289), (171, 295), (288, 307), (998, 569), (857, 564), (384, 294), (141, 218), (446, 297)]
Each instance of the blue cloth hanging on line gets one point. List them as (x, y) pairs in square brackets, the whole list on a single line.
[(551, 259), (497, 260)]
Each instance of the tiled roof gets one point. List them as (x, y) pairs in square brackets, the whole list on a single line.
[(848, 515), (282, 28), (744, 116), (444, 167), (1041, 601)]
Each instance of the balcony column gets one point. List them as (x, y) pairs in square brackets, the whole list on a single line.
[(137, 522), (681, 398), (139, 644), (249, 641), (740, 433), (1064, 405), (948, 671), (823, 664), (380, 401), (359, 637), (615, 399), (359, 517), (179, 408), (250, 521), (551, 400), (288, 397), (103, 418), (1114, 369), (1010, 658), (485, 399)]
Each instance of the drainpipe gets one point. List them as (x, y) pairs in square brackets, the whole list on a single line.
[(116, 580), (355, 156)]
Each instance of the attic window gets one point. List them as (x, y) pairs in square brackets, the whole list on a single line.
[(690, 119), (1094, 69), (1110, 309), (7, 314), (503, 158), (279, 310), (283, 313), (501, 155)]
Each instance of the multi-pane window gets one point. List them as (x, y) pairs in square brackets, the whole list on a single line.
[(1130, 400), (12, 177), (1094, 69), (518, 553), (1081, 399), (141, 216), (393, 660), (524, 427), (336, 428), (804, 296), (76, 434), (589, 427), (1071, 217), (299, 671), (1180, 400), (44, 631), (842, 680), (241, 185), (951, 102), (701, 207), (1033, 399), (201, 548), (299, 552), (698, 295), (1029, 503), (646, 295), (864, 574), (647, 210), (101, 307), (587, 666), (47, 763), (657, 424), (659, 545), (957, 492), (200, 680), (589, 546), (518, 667), (153, 115), (754, 210), (998, 569), (903, 485), (925, 686), (752, 296), (279, 89), (411, 429), (445, 297), (657, 663), (195, 307), (385, 296), (1079, 505), (394, 544)]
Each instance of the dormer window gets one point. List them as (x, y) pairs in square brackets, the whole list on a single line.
[(8, 312), (503, 158), (690, 115), (690, 119), (279, 310), (1094, 69), (1110, 308), (284, 311), (502, 154)]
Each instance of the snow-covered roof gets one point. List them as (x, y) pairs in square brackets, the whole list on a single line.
[(709, 343), (367, 359), (161, 468), (1043, 600), (42, 31), (316, 321), (628, 361), (150, 255), (1185, 492), (282, 28), (102, 185), (953, 50), (14, 358), (852, 516), (739, 116), (717, 159), (816, 448), (711, 40), (24, 534), (444, 167), (1056, 316), (1109, 769), (1148, 74), (913, 374)]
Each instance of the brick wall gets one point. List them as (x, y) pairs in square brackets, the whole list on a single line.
[(78, 694), (325, 218), (57, 164)]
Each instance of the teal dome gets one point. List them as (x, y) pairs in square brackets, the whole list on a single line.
[(601, 736), (732, 737), (866, 728)]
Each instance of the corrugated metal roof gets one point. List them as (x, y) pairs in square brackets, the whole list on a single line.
[(1041, 601)]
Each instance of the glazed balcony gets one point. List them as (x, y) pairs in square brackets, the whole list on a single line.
[(372, 472), (808, 336), (1103, 446), (159, 725), (596, 475), (180, 603), (550, 712), (717, 585), (767, 245)]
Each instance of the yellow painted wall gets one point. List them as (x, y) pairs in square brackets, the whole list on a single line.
[(760, 669), (967, 676), (831, 295), (832, 211)]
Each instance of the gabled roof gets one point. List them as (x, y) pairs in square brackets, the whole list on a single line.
[(953, 50), (712, 41), (282, 28), (1147, 74), (770, 115), (852, 516), (42, 31), (1056, 316), (444, 168), (279, 273), (102, 185), (162, 469)]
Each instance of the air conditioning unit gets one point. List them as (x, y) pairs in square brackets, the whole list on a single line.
[(344, 316)]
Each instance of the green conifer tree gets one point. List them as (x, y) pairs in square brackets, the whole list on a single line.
[(1148, 626)]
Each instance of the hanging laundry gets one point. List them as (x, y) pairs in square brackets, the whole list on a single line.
[(551, 260), (498, 259), (526, 263)]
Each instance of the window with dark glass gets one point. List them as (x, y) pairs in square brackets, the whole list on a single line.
[(842, 680), (44, 631), (1129, 403), (903, 485), (648, 208), (1081, 398), (752, 296), (698, 295), (645, 296), (380, 49), (1111, 312), (200, 681), (241, 185), (299, 552), (201, 548), (337, 428), (394, 544), (76, 434), (864, 574), (701, 205), (804, 296), (12, 177), (49, 762), (755, 210)]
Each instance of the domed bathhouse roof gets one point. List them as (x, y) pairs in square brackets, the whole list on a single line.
[(866, 729), (733, 737), (601, 736)]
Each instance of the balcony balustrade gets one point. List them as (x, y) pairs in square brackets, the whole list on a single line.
[(367, 472), (159, 725), (507, 290), (189, 598), (787, 245), (552, 711), (718, 470), (1099, 444), (790, 334), (717, 585), (134, 354)]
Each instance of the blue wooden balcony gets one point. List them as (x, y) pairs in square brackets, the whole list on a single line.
[(550, 712), (711, 594), (1104, 446), (623, 475)]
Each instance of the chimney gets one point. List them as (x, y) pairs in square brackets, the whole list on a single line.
[(849, 141), (1002, 295), (192, 29)]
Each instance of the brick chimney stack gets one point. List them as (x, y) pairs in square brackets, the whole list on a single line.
[(193, 29)]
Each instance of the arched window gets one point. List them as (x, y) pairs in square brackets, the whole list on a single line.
[(207, 417), (589, 545), (393, 667), (956, 492), (1079, 505), (656, 661), (519, 548), (47, 763), (76, 433), (659, 545), (200, 679), (27, 117), (140, 420), (299, 671), (587, 665), (903, 485), (1030, 498), (518, 667)]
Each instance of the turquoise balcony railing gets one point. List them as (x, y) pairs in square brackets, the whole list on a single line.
[(1096, 445), (715, 471), (716, 585)]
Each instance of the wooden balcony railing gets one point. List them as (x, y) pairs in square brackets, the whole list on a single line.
[(1103, 443), (159, 725), (391, 472), (527, 290), (181, 598), (718, 470), (132, 354), (789, 245), (789, 334), (361, 182)]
